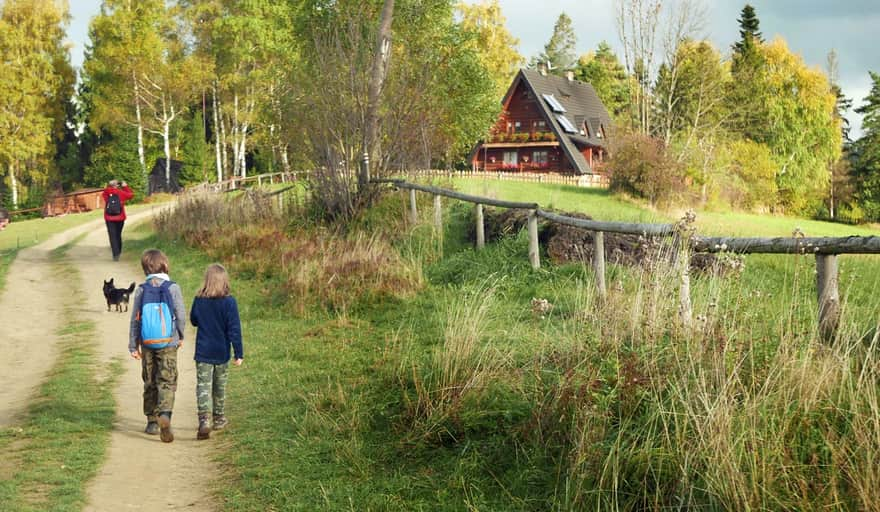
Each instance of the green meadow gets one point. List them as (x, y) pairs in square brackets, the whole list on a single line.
[(392, 367), (389, 367)]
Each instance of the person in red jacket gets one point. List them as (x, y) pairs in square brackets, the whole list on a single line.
[(115, 196)]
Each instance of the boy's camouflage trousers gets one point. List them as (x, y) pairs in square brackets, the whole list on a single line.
[(211, 388), (159, 371)]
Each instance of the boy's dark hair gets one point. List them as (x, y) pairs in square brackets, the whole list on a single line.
[(154, 261)]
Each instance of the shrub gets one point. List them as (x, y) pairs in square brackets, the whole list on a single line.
[(640, 166)]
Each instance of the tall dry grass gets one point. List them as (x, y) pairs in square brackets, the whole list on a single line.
[(744, 409), (736, 413), (458, 369), (305, 264)]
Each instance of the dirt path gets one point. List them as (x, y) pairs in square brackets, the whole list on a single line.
[(141, 472), (31, 307)]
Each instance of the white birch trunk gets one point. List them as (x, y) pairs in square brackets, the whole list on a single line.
[(285, 161), (13, 184), (242, 151), (166, 136), (217, 138), (235, 134), (140, 129)]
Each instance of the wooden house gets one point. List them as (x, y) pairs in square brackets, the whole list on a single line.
[(74, 202), (548, 123)]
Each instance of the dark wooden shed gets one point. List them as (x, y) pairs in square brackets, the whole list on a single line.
[(157, 177)]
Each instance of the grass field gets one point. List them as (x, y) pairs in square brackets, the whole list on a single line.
[(450, 390), (602, 205)]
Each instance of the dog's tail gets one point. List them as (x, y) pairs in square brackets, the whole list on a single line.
[(130, 288)]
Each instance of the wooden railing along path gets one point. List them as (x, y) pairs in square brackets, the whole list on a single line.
[(239, 182), (825, 249)]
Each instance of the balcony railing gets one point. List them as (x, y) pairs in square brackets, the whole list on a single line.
[(523, 137)]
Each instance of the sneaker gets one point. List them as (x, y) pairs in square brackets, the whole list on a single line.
[(220, 422), (165, 433), (152, 428), (204, 427)]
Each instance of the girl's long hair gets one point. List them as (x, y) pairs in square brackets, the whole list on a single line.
[(216, 282)]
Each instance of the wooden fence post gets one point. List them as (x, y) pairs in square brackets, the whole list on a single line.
[(260, 180), (438, 214), (599, 261), (828, 295), (413, 212), (534, 251), (685, 308), (481, 228)]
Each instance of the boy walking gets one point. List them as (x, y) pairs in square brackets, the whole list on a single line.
[(158, 318)]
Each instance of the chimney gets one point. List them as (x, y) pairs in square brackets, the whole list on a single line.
[(569, 74), (542, 68)]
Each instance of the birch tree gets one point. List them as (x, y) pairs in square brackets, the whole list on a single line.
[(35, 83), (126, 42)]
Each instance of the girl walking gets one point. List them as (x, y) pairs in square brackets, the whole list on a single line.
[(215, 314)]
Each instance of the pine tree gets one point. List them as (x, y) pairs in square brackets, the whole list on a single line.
[(866, 153), (196, 152), (748, 30), (747, 91), (560, 49)]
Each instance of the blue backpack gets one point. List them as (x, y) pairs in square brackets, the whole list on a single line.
[(156, 315)]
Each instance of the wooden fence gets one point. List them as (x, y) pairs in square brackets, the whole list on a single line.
[(576, 180), (239, 182), (824, 249)]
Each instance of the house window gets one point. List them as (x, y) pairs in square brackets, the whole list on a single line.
[(541, 126), (517, 126), (539, 157), (510, 159)]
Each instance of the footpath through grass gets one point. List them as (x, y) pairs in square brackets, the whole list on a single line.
[(455, 387), (61, 443)]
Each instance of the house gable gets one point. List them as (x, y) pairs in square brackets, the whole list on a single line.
[(567, 110)]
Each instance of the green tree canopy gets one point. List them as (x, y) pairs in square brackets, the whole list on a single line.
[(803, 132), (495, 45), (603, 70), (36, 84)]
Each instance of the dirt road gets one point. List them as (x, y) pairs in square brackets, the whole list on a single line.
[(140, 472)]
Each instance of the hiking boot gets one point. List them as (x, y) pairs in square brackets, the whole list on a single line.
[(152, 428), (220, 422), (204, 427), (165, 433)]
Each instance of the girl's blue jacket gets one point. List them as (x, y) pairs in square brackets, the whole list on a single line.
[(219, 328)]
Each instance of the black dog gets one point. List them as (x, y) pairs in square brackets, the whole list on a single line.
[(117, 296)]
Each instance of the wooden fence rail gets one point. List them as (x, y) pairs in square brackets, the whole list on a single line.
[(824, 249)]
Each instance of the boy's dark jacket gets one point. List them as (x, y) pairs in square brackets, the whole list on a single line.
[(219, 327)]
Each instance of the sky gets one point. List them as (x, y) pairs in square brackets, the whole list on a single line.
[(811, 28)]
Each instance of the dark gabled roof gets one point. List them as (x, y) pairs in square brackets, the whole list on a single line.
[(579, 100)]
